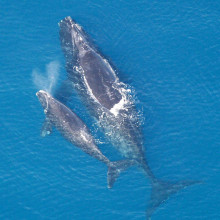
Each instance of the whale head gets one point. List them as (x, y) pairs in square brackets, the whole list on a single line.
[(44, 98)]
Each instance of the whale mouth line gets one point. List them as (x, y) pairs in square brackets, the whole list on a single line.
[(43, 97), (46, 109)]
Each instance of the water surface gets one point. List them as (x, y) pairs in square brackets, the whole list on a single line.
[(169, 53)]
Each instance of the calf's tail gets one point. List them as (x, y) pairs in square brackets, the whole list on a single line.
[(115, 168)]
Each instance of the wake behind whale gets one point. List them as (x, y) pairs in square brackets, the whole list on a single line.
[(110, 103)]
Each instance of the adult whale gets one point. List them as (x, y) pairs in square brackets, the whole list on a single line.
[(77, 133), (110, 102)]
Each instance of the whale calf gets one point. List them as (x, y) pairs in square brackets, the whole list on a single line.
[(110, 102), (76, 132)]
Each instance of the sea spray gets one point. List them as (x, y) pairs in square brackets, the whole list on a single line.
[(47, 80)]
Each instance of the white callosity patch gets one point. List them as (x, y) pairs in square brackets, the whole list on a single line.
[(46, 96), (79, 27)]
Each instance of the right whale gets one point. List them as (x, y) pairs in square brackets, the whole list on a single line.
[(76, 132), (110, 103)]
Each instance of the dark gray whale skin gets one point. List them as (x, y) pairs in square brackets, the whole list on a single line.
[(109, 102), (76, 132), (100, 89)]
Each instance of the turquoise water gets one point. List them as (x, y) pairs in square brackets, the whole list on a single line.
[(168, 52)]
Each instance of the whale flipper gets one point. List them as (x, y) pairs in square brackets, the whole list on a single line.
[(115, 168), (161, 191), (47, 128)]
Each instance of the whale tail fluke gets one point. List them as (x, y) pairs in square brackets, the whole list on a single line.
[(161, 191), (115, 168)]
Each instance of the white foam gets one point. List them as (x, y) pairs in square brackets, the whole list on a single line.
[(118, 106), (122, 103)]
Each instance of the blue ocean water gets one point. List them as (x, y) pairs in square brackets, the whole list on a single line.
[(169, 53)]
